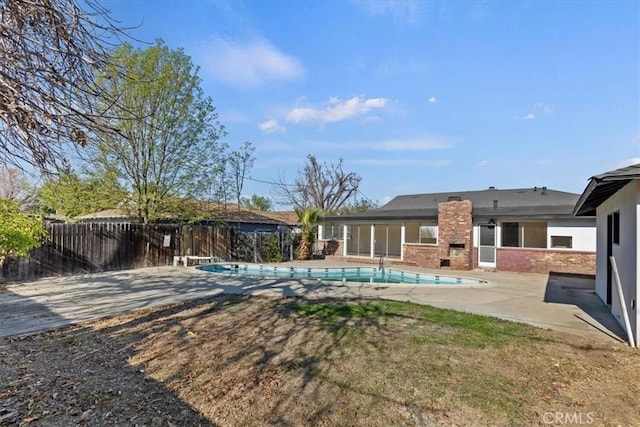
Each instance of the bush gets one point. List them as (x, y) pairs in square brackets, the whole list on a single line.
[(271, 244), (19, 232)]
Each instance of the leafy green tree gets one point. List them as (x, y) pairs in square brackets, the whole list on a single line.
[(72, 195), (257, 203), (309, 219), (19, 232), (168, 130)]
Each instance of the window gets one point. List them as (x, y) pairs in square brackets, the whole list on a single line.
[(524, 234), (332, 231), (565, 242), (616, 227), (534, 234), (421, 232), (429, 234), (510, 234)]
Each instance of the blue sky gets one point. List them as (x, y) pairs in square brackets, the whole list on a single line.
[(416, 96)]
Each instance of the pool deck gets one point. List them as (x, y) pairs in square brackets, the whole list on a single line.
[(563, 303)]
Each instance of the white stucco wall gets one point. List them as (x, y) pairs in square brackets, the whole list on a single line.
[(582, 231), (627, 202)]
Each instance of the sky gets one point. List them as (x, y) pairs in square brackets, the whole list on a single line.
[(416, 96)]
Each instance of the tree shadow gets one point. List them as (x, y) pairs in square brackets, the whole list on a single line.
[(75, 376), (192, 363), (579, 290)]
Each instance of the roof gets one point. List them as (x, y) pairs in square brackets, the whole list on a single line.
[(603, 186), (536, 202), (288, 217), (208, 212), (104, 214)]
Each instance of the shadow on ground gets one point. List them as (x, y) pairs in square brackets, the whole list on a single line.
[(146, 368), (579, 290)]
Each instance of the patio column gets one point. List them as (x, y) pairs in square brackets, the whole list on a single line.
[(372, 250), (345, 230), (403, 231), (320, 232)]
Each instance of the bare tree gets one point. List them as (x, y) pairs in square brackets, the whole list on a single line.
[(13, 184), (50, 52), (319, 185), (239, 163)]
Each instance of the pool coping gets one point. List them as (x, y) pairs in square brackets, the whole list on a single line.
[(482, 283)]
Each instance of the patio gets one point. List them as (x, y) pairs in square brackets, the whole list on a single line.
[(558, 302)]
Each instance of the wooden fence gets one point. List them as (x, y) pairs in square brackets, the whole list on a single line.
[(91, 248)]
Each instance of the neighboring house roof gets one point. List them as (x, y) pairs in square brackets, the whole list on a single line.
[(288, 217), (603, 186), (104, 214), (217, 212), (536, 202)]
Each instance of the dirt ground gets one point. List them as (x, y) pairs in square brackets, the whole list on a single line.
[(237, 360)]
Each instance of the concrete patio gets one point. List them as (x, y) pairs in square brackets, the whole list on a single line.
[(558, 302)]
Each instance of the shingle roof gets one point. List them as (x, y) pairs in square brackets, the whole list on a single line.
[(522, 202), (603, 186), (218, 212)]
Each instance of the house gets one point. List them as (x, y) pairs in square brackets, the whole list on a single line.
[(524, 230), (614, 198), (243, 219)]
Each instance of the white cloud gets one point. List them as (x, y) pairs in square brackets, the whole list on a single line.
[(432, 100), (529, 116), (250, 64), (271, 126), (547, 108), (629, 162), (336, 110), (482, 163)]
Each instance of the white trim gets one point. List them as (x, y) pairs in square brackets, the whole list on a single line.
[(402, 238), (345, 230), (372, 242), (495, 242)]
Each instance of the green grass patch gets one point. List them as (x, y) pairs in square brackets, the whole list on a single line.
[(430, 325)]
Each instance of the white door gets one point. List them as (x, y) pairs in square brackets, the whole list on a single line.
[(487, 247)]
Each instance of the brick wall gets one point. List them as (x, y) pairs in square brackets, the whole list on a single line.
[(455, 226), (422, 255), (545, 260)]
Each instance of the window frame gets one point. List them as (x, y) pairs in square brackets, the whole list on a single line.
[(556, 246), (616, 228), (418, 238), (521, 238)]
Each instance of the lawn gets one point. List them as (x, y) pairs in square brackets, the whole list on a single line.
[(236, 361)]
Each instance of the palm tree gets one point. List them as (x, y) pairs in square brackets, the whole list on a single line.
[(309, 218)]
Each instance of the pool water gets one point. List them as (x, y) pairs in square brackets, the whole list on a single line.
[(338, 274)]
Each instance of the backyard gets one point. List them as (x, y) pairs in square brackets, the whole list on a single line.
[(249, 360)]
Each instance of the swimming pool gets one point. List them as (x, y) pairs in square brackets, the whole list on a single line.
[(339, 274)]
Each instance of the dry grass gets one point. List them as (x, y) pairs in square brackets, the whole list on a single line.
[(259, 361)]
